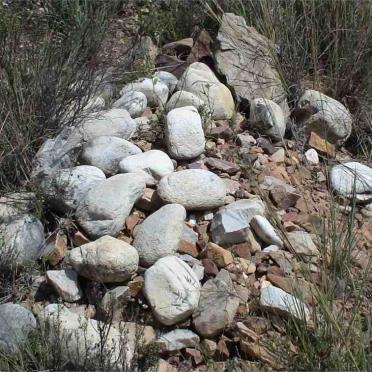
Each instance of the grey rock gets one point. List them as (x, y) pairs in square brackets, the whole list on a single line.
[(172, 290), (178, 339), (217, 306), (106, 152), (134, 102), (159, 234), (107, 205), (302, 243), (182, 99), (65, 282), (168, 79), (195, 189), (15, 204), (16, 324), (265, 231), (114, 301), (106, 260), (184, 133)]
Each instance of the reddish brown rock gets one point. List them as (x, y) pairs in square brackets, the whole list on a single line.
[(222, 165), (220, 256), (282, 198), (188, 248), (209, 266), (322, 145), (79, 239), (195, 355), (242, 250), (59, 243)]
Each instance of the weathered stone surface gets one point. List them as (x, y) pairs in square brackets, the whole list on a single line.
[(352, 177), (245, 58), (21, 240), (159, 234), (106, 152), (114, 301), (105, 260), (168, 79), (325, 116), (172, 290), (67, 187), (220, 256), (200, 80), (195, 189), (322, 145), (107, 205), (184, 133), (65, 282), (178, 339), (222, 165), (15, 204), (265, 231), (16, 323), (302, 243), (217, 306), (153, 164), (182, 99), (134, 102)]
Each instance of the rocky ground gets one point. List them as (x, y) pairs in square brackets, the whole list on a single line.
[(197, 210)]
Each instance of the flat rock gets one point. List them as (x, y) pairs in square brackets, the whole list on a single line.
[(65, 282), (184, 133), (153, 164), (160, 234), (182, 99), (195, 189), (106, 206), (172, 290), (134, 102), (222, 165), (265, 231), (178, 339), (105, 260), (302, 243), (220, 256), (106, 152)]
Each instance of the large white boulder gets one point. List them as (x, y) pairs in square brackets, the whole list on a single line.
[(159, 234), (153, 164), (195, 189), (106, 206), (182, 99), (106, 260), (172, 290), (325, 116), (67, 187), (134, 102), (200, 80), (184, 133), (106, 152)]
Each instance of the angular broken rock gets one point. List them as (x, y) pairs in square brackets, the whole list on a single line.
[(265, 231), (220, 256), (106, 206), (276, 299), (106, 260), (178, 339), (302, 243), (217, 306), (172, 290), (65, 282), (195, 189), (114, 301), (222, 165), (159, 234)]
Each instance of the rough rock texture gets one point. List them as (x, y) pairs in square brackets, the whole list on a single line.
[(106, 206), (153, 164), (178, 339), (172, 290), (200, 80), (105, 260), (352, 177), (106, 152), (184, 133), (67, 187), (245, 58), (217, 306), (65, 282), (134, 102), (182, 99), (265, 231), (302, 243), (195, 189), (22, 240), (16, 323), (325, 116), (159, 234), (168, 79)]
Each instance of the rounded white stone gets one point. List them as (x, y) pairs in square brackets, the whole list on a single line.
[(265, 231), (134, 102)]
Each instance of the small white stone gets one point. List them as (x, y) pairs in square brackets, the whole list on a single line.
[(312, 157), (65, 283), (265, 231), (134, 102)]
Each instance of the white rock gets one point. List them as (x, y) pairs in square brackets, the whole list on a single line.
[(352, 176), (106, 260), (16, 324), (153, 164), (172, 290), (312, 157), (275, 298), (159, 234), (200, 80), (155, 91), (107, 205), (67, 187), (265, 231), (168, 79), (271, 248), (184, 133), (326, 116), (195, 189), (268, 117), (22, 240), (182, 99), (134, 102), (178, 339), (65, 283), (106, 152)]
